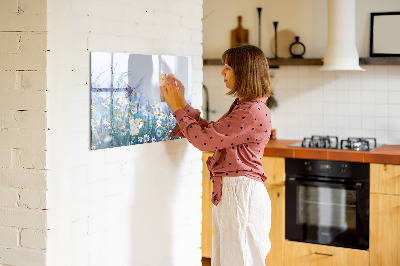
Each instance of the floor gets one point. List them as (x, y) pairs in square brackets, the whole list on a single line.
[(206, 261)]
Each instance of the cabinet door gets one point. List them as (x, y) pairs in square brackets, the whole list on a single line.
[(304, 254), (384, 230), (274, 168), (277, 233), (385, 178), (206, 232)]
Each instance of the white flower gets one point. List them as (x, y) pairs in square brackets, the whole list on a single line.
[(153, 139), (146, 138)]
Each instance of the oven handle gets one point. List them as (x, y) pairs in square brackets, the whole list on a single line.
[(357, 185)]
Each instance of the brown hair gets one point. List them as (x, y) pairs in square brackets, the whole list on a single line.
[(250, 66)]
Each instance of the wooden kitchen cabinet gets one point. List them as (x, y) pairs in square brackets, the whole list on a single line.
[(384, 215), (305, 254), (206, 225), (277, 233), (385, 178), (274, 168), (384, 236)]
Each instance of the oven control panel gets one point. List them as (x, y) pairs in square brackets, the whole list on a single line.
[(337, 169)]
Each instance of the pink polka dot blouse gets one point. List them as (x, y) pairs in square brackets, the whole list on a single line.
[(238, 139)]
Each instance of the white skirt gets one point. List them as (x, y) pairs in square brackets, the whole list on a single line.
[(241, 223)]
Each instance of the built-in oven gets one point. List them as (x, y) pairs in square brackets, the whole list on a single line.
[(327, 202)]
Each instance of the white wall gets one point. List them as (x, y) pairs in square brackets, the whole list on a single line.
[(23, 133), (137, 205), (311, 102)]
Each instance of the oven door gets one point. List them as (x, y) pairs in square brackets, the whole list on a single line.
[(327, 213)]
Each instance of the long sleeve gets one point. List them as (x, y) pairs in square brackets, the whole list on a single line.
[(193, 113), (230, 131)]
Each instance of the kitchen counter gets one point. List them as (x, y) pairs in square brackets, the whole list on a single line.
[(389, 154)]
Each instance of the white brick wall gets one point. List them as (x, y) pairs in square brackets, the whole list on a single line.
[(137, 205), (23, 132)]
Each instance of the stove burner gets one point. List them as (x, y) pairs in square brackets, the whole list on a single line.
[(328, 142), (358, 144), (332, 142)]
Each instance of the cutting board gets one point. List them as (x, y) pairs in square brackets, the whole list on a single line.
[(239, 35)]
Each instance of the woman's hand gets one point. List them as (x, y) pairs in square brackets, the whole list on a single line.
[(173, 94)]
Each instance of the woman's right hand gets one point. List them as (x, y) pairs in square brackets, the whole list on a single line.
[(181, 90)]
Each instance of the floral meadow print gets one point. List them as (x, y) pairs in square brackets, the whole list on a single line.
[(127, 107)]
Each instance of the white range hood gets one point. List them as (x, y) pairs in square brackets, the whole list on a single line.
[(341, 51)]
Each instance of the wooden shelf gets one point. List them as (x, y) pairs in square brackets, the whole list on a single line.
[(274, 63), (380, 61)]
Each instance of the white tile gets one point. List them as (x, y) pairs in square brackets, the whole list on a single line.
[(342, 133), (355, 109), (355, 96), (368, 122), (394, 70), (381, 84), (367, 83), (329, 95), (292, 82), (342, 109), (291, 71), (355, 132), (380, 71), (394, 83), (316, 82), (317, 107), (394, 110), (381, 123), (304, 72), (394, 137), (394, 97), (382, 136), (317, 95), (317, 121), (342, 81), (342, 122), (367, 96), (382, 110), (355, 122), (316, 72), (329, 121), (342, 96), (381, 97), (329, 109), (367, 133), (354, 80), (303, 82), (394, 123), (328, 74), (367, 110)]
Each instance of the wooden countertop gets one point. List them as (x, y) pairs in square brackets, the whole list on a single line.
[(389, 154)]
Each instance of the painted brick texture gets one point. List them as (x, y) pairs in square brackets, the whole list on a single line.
[(23, 132), (138, 205)]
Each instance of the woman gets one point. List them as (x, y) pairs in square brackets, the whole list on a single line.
[(242, 208)]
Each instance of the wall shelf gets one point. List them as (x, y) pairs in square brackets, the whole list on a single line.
[(274, 63)]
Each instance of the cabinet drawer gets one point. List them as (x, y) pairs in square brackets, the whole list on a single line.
[(304, 254)]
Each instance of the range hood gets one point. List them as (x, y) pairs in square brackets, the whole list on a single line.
[(341, 51)]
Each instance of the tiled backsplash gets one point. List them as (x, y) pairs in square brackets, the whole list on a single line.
[(314, 102)]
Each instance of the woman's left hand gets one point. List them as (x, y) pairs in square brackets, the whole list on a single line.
[(171, 95)]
